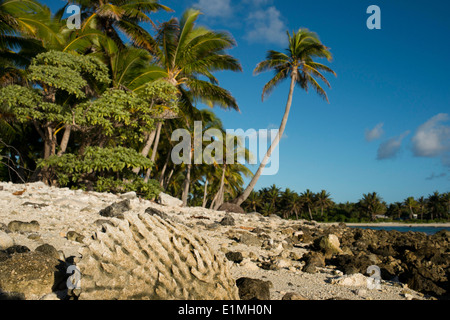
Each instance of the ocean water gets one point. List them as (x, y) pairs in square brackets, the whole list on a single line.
[(427, 230)]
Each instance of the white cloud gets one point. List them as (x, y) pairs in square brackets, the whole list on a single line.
[(390, 148), (215, 8), (267, 26), (375, 133), (432, 139)]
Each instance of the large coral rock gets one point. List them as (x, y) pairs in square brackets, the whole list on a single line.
[(147, 257), (30, 274)]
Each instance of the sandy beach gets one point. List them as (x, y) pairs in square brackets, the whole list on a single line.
[(269, 257)]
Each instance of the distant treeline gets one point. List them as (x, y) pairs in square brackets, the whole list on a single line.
[(320, 207)]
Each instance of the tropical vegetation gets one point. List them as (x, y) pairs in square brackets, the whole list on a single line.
[(320, 206), (95, 108)]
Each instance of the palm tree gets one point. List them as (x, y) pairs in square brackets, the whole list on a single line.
[(372, 204), (411, 204), (446, 202), (434, 204), (298, 64), (231, 172), (421, 206), (253, 202), (309, 201), (184, 55), (291, 203), (324, 201), (117, 16)]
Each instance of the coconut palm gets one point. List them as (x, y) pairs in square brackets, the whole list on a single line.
[(253, 202), (116, 17), (411, 204), (434, 204), (372, 204), (421, 206), (297, 64), (323, 201), (185, 55), (309, 201)]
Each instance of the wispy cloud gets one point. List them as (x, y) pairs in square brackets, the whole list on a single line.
[(266, 26), (215, 8), (434, 176), (374, 133), (432, 139), (390, 148)]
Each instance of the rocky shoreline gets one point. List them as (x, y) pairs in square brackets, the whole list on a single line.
[(45, 230)]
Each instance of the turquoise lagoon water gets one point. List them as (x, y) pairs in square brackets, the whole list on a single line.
[(427, 230)]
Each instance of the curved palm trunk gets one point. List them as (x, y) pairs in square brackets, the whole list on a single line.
[(221, 192), (205, 194), (155, 149), (147, 147), (239, 200), (164, 169), (187, 182)]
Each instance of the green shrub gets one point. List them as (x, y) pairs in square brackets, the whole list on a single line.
[(103, 170)]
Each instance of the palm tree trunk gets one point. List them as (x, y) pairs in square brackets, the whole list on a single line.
[(187, 181), (239, 200), (221, 191), (163, 171), (186, 184), (166, 183), (155, 149), (147, 147), (205, 194)]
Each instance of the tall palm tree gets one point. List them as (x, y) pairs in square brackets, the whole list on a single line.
[(185, 55), (309, 201), (116, 17), (421, 206), (434, 204), (253, 202), (372, 204), (324, 201), (297, 64), (289, 203), (411, 204)]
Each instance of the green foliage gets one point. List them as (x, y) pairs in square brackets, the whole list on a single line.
[(162, 97), (116, 113), (149, 190), (67, 72), (102, 169), (290, 205)]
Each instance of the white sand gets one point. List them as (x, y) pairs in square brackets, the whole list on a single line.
[(77, 211)]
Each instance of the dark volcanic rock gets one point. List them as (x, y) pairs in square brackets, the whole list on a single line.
[(31, 273), (253, 289), (116, 210), (230, 207), (421, 261), (227, 221), (234, 256)]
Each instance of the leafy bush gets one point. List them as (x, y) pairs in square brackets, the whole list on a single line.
[(103, 170)]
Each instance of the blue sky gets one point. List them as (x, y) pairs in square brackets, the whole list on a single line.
[(387, 126)]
